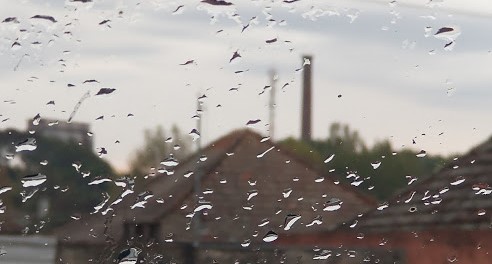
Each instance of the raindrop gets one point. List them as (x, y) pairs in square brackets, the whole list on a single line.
[(265, 152), (459, 180), (36, 119), (481, 212), (412, 209), (270, 237), (383, 206), (324, 254), (5, 189), (264, 222), (252, 194), (27, 145), (44, 17), (128, 256), (253, 122), (16, 46), (104, 91), (178, 10), (421, 154), (194, 134), (235, 56), (203, 207), (170, 162), (376, 164), (333, 204), (33, 180), (217, 2), (286, 193), (316, 221), (99, 181), (290, 220), (330, 158), (410, 197), (246, 243)]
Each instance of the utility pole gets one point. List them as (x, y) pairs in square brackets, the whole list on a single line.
[(271, 105), (198, 178)]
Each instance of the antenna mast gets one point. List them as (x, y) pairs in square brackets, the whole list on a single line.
[(271, 105)]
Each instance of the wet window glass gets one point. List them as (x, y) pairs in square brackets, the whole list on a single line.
[(227, 131)]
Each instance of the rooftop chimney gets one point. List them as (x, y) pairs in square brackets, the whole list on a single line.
[(306, 99)]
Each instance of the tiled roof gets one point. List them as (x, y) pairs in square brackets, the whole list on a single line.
[(457, 197), (276, 183)]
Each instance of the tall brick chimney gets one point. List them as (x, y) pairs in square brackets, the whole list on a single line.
[(306, 99)]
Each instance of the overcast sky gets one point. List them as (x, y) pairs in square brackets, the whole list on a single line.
[(395, 77)]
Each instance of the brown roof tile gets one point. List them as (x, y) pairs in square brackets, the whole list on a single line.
[(442, 200), (233, 172)]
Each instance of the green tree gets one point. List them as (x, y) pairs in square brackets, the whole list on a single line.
[(68, 168), (381, 170), (157, 146)]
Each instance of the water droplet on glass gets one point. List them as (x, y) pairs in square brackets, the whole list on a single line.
[(286, 193), (36, 120), (270, 237), (170, 162), (246, 243), (128, 256), (5, 189), (99, 181), (253, 122), (188, 174), (383, 206), (330, 158), (290, 220), (264, 222), (459, 180), (201, 207), (265, 152), (332, 205), (194, 134), (376, 164), (421, 154), (324, 254), (252, 194), (33, 180), (27, 145)]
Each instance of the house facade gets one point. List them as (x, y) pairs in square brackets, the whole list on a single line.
[(229, 202)]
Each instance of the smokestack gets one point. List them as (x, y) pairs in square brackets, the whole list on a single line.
[(306, 98)]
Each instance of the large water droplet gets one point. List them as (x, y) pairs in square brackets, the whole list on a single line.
[(286, 193), (27, 145), (270, 237), (33, 180), (333, 205), (128, 256), (421, 154), (170, 162), (376, 164), (290, 220), (459, 180), (201, 207)]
